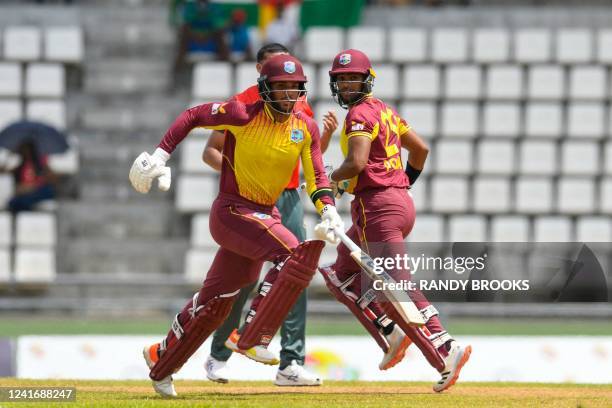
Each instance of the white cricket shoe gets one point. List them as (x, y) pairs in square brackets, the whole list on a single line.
[(215, 370), (454, 362), (256, 353), (398, 343), (163, 387), (295, 375)]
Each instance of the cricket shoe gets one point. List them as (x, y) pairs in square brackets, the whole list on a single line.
[(296, 375), (398, 343), (258, 353), (163, 387), (454, 362), (215, 370)]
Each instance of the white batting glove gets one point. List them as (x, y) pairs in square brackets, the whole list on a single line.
[(148, 167), (330, 220)]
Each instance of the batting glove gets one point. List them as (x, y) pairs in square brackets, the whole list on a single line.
[(148, 167), (330, 220), (338, 187)]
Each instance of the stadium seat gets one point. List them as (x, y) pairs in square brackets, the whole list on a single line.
[(422, 117), (491, 45), (428, 228), (462, 82), (421, 82), (546, 82), (501, 119), (45, 80), (586, 120), (449, 194), (574, 46), (34, 265), (453, 157), (407, 45), (197, 263), (533, 195), (10, 79), (580, 158), (607, 165), (22, 43), (212, 81), (246, 76), (51, 112), (544, 120), (449, 45), (467, 228), (333, 156), (588, 82), (509, 228), (532, 45), (496, 157), (385, 83), (321, 108), (552, 229), (65, 163), (418, 192), (576, 195), (7, 187), (538, 157), (460, 120), (604, 46), (5, 266), (370, 40), (492, 195), (195, 193), (191, 156), (200, 233), (6, 229), (35, 229), (322, 83), (504, 82), (593, 229), (605, 195), (323, 43), (64, 44), (10, 111), (311, 85)]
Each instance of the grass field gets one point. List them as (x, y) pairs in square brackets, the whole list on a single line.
[(331, 394)]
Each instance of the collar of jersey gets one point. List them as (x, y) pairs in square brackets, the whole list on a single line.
[(271, 116)]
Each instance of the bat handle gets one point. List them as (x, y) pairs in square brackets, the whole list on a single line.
[(346, 240)]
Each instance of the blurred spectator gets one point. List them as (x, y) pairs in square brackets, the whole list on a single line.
[(34, 180), (240, 43), (285, 29)]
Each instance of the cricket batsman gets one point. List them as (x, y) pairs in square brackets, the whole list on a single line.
[(383, 213), (293, 331), (263, 145)]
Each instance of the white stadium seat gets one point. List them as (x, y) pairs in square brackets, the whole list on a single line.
[(588, 82), (496, 157), (428, 228), (576, 195), (212, 81), (321, 108), (504, 82), (385, 83), (45, 80), (370, 40), (197, 264), (538, 157), (467, 228), (463, 82), (533, 195), (65, 163), (246, 76), (532, 45), (453, 157), (491, 45), (509, 228), (191, 156), (574, 46), (586, 120), (22, 43), (421, 82), (195, 193), (5, 266), (6, 229), (552, 229), (323, 43), (7, 187), (546, 82), (449, 194), (460, 120), (593, 229), (449, 45), (501, 119), (607, 165), (604, 46), (36, 229), (311, 85), (421, 117), (407, 44), (51, 112), (544, 120), (10, 111), (418, 192), (10, 79), (580, 158), (34, 265), (200, 232), (333, 156), (64, 44), (322, 83), (605, 195), (492, 195)]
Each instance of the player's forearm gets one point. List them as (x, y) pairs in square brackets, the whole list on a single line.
[(418, 157), (213, 158), (179, 129), (349, 169)]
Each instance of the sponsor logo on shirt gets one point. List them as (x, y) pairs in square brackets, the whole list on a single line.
[(289, 67), (297, 135), (357, 126), (217, 108), (345, 59)]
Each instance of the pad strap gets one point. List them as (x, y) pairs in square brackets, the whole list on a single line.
[(428, 312), (438, 339)]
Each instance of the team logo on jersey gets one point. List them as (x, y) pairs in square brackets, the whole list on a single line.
[(217, 108), (289, 67), (345, 59), (357, 126), (297, 135), (261, 216)]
